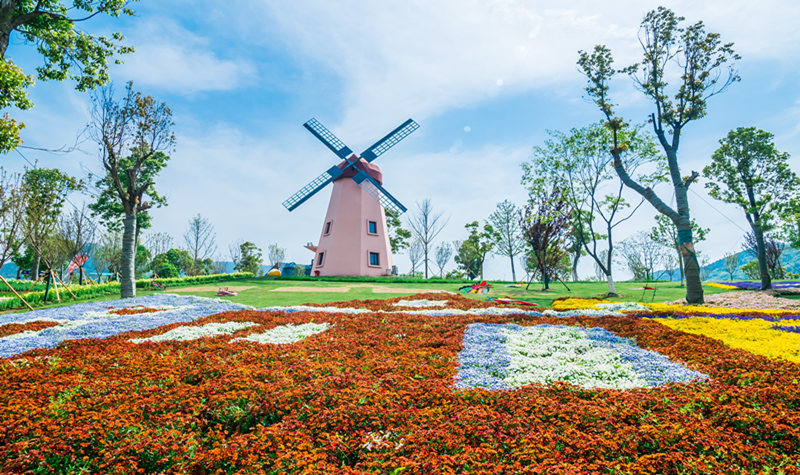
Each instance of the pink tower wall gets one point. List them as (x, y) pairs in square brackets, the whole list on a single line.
[(347, 246)]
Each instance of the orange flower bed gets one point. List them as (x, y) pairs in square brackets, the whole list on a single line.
[(133, 310), (375, 394), (13, 328)]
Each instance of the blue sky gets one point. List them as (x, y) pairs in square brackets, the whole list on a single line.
[(485, 80)]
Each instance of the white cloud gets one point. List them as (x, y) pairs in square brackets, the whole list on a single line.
[(171, 58)]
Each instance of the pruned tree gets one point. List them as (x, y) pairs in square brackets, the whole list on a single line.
[(666, 233), (12, 215), (580, 160), (200, 239), (443, 254), (426, 224), (704, 67), (133, 134), (471, 254), (545, 223), (275, 255), (415, 253), (731, 264), (68, 52), (748, 170), (505, 221)]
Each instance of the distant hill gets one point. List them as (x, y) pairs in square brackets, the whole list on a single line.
[(790, 259)]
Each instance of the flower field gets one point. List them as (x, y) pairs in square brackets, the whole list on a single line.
[(406, 385)]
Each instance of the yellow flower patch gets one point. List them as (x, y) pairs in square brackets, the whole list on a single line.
[(722, 286), (577, 303), (689, 309), (755, 336)]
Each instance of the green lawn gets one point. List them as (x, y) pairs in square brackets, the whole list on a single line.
[(267, 292)]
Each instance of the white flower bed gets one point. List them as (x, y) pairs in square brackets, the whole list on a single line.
[(583, 312), (420, 303), (285, 334), (622, 307), (187, 333), (547, 354)]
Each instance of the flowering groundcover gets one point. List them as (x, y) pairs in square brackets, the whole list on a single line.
[(378, 392)]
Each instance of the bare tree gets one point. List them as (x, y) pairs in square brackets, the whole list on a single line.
[(158, 243), (275, 255), (415, 253), (12, 215), (731, 263), (505, 221), (77, 231), (641, 255), (425, 225), (235, 252), (107, 254), (443, 254), (200, 241), (133, 135)]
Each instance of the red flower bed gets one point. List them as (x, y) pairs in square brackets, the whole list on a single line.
[(12, 328), (375, 394), (136, 310)]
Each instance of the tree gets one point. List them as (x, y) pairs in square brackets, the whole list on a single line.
[(580, 161), (641, 255), (276, 255), (158, 243), (773, 249), (68, 52), (505, 221), (415, 255), (180, 259), (200, 240), (443, 254), (472, 252), (77, 233), (699, 59), (731, 264), (12, 215), (751, 270), (666, 234), (748, 170), (671, 265), (46, 191), (23, 260), (545, 223), (107, 253), (790, 223), (398, 236), (425, 225), (131, 132), (250, 260)]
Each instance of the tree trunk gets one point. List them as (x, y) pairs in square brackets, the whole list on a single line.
[(546, 280), (694, 286), (35, 269), (761, 253), (575, 266), (612, 290), (513, 272), (127, 279)]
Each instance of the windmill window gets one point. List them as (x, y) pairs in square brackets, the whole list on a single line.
[(372, 227), (327, 228), (320, 257), (374, 259)]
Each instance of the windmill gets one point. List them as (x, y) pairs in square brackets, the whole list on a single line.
[(354, 238)]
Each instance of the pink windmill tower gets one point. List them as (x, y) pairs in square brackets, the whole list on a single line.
[(354, 238)]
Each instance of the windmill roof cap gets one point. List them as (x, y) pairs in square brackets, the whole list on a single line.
[(371, 169)]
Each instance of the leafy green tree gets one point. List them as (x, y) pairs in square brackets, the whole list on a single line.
[(505, 221), (165, 270), (472, 252), (752, 269), (67, 51), (580, 160), (46, 191), (748, 170), (546, 222), (790, 223), (23, 260), (666, 234), (704, 68), (398, 236), (142, 260), (139, 128), (250, 260), (180, 259)]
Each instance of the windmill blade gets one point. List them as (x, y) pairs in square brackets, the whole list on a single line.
[(391, 139), (312, 188), (326, 136), (379, 193)]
